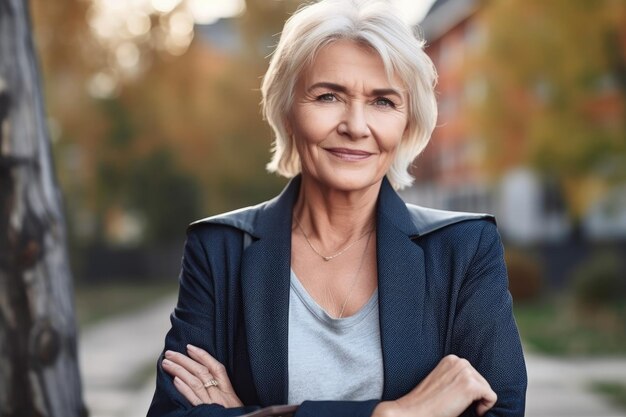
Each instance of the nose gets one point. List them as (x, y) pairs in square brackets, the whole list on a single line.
[(354, 123)]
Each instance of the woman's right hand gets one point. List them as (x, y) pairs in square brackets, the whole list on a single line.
[(192, 375), (446, 392)]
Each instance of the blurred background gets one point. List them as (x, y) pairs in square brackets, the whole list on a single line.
[(154, 114)]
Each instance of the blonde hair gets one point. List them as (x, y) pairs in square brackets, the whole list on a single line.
[(373, 23)]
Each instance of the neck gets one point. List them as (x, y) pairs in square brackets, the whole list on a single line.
[(335, 216)]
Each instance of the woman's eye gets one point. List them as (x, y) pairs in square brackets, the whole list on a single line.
[(385, 102), (329, 97)]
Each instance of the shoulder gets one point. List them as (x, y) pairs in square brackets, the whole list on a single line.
[(459, 247), (243, 219), (428, 220), (461, 235), (222, 234)]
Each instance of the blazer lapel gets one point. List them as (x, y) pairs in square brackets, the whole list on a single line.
[(265, 290), (401, 289)]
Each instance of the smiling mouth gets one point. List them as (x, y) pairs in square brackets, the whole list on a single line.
[(349, 154)]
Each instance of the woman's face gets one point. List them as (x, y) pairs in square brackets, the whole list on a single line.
[(348, 118)]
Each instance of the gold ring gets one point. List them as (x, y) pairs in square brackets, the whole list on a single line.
[(211, 383)]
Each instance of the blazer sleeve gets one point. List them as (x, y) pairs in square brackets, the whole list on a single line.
[(193, 322), (485, 332)]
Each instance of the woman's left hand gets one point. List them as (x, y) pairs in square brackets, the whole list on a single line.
[(200, 378)]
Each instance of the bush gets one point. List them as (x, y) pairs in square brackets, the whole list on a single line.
[(599, 280), (525, 275)]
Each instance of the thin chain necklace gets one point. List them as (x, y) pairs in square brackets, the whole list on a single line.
[(333, 256), (354, 280)]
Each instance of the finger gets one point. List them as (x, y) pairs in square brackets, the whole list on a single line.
[(187, 392), (214, 366), (200, 371), (487, 402), (448, 362), (188, 378), (473, 384), (203, 357), (488, 397), (484, 396)]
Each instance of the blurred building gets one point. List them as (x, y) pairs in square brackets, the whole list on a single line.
[(451, 173)]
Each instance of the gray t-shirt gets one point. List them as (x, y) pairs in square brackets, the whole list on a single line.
[(329, 358)]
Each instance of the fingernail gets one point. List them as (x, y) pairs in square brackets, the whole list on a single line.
[(176, 380), (166, 362), (168, 353), (192, 348)]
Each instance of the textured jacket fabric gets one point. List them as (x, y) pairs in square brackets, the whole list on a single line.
[(442, 287)]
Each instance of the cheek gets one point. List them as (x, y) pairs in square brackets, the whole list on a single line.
[(392, 129), (313, 126)]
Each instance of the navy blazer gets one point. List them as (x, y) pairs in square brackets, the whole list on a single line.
[(442, 288)]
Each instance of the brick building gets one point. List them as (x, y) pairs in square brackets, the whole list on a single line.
[(450, 174)]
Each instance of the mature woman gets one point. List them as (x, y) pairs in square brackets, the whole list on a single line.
[(336, 295)]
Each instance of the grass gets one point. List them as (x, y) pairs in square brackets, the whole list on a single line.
[(556, 327), (95, 303), (614, 392)]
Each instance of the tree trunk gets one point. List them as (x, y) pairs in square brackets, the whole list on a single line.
[(38, 356)]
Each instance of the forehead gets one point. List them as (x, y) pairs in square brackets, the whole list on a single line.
[(349, 62)]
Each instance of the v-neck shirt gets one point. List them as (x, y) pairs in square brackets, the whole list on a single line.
[(332, 358)]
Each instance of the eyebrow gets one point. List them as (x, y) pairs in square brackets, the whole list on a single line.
[(341, 89)]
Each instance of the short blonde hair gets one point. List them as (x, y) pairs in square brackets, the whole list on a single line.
[(371, 22)]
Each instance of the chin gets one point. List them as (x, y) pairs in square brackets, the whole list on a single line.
[(353, 182)]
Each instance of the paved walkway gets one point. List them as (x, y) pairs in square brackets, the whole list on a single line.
[(117, 357), (559, 387)]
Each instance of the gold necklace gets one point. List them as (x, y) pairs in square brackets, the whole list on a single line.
[(333, 256), (354, 280)]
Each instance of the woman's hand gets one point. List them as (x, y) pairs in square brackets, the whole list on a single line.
[(446, 392), (195, 376)]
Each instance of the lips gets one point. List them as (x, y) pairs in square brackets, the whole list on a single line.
[(349, 154)]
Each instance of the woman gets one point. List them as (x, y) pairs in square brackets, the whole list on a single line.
[(336, 295)]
